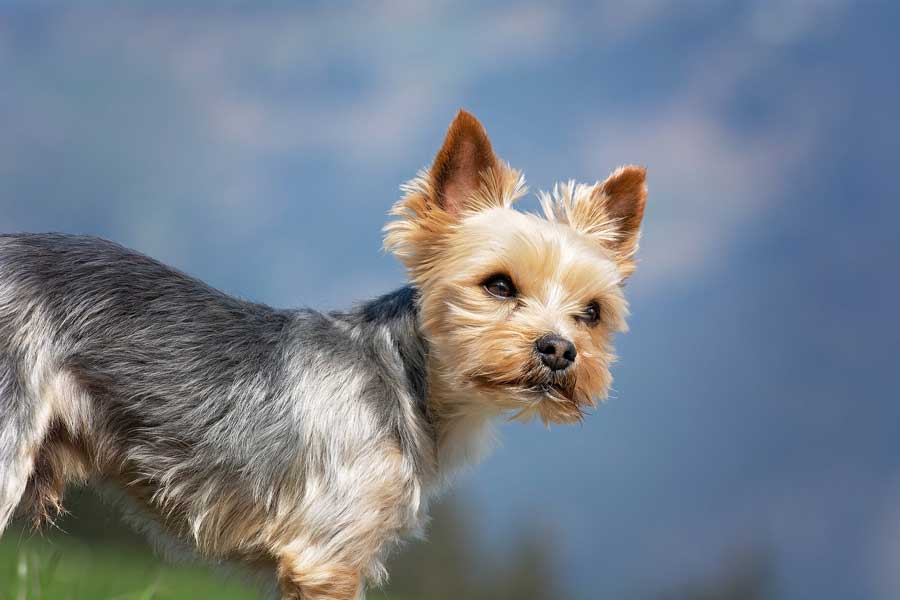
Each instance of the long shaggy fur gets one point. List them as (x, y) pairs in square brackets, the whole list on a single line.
[(307, 442), (227, 419)]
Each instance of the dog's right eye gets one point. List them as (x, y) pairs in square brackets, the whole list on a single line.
[(500, 286)]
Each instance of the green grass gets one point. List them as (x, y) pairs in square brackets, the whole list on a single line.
[(63, 568), (33, 568)]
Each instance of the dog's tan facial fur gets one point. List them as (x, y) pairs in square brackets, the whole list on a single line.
[(457, 229)]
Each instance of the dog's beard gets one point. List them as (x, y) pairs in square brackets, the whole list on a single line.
[(538, 392), (556, 394)]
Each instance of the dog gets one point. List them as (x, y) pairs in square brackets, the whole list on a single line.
[(303, 442)]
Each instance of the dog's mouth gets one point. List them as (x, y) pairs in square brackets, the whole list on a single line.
[(555, 383), (556, 401), (539, 383), (555, 389), (547, 395)]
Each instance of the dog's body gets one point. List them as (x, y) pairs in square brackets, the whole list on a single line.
[(227, 417), (304, 440)]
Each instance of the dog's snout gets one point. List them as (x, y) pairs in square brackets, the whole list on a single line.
[(555, 351)]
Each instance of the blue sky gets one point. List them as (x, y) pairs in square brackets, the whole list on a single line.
[(755, 401)]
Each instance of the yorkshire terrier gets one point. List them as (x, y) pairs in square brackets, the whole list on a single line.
[(310, 443)]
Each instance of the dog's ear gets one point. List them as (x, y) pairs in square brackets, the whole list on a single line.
[(610, 213), (458, 170), (622, 197), (466, 177)]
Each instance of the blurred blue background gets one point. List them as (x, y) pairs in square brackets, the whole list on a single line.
[(755, 410)]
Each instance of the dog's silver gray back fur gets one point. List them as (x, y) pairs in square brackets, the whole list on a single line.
[(213, 406)]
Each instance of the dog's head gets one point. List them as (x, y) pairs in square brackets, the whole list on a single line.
[(519, 310)]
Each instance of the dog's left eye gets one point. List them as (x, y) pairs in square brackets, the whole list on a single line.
[(591, 314), (500, 286)]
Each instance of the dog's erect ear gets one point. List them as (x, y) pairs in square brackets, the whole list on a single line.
[(465, 178), (609, 212), (623, 196), (457, 171)]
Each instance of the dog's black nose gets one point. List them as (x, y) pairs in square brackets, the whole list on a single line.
[(556, 352)]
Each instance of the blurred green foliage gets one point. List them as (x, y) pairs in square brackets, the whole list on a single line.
[(451, 565), (100, 559), (60, 568), (745, 574), (97, 558)]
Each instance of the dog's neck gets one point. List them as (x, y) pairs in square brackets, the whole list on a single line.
[(462, 421), (459, 425)]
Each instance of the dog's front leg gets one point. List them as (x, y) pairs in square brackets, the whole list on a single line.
[(338, 537), (304, 579)]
